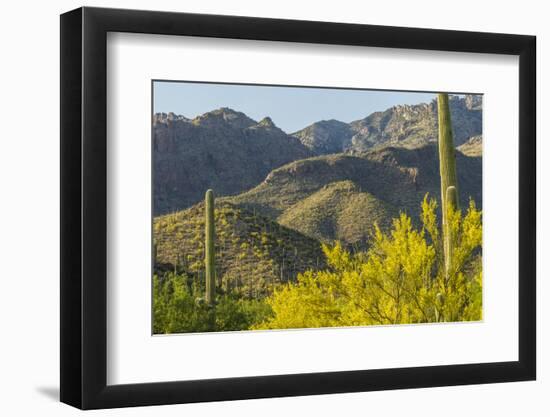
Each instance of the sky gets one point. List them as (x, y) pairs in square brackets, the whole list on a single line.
[(290, 108)]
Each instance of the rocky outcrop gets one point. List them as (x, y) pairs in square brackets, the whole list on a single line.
[(326, 137), (408, 126), (473, 147), (224, 150)]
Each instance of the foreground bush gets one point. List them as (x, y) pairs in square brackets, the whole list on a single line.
[(400, 279), (179, 308)]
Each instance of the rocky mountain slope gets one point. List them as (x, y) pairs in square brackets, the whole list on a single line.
[(326, 137), (253, 252), (473, 147), (403, 125), (340, 196), (223, 149), (226, 150)]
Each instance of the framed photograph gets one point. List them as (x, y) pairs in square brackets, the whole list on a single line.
[(256, 208)]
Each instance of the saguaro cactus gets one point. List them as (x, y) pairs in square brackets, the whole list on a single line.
[(209, 256), (451, 201), (447, 172)]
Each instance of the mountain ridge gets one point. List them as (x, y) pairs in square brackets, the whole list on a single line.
[(400, 125), (341, 196), (228, 151), (222, 149)]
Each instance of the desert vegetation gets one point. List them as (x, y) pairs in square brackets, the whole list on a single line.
[(331, 240)]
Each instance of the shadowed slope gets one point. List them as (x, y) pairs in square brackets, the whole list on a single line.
[(341, 196)]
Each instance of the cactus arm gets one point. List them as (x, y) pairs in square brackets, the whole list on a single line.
[(451, 197)]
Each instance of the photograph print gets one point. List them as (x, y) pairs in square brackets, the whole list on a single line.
[(295, 207)]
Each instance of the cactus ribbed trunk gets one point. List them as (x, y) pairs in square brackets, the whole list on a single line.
[(209, 256), (447, 172), (451, 199)]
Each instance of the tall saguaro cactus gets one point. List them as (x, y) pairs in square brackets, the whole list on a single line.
[(451, 202), (447, 172), (209, 256)]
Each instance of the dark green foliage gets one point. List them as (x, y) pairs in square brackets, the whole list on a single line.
[(233, 313), (174, 306), (176, 310)]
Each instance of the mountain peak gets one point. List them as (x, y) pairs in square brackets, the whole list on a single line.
[(228, 111), (224, 115), (223, 149), (325, 136), (266, 122), (473, 101), (168, 118)]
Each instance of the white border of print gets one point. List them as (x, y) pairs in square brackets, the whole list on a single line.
[(135, 356)]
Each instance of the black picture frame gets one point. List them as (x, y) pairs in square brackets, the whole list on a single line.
[(84, 207)]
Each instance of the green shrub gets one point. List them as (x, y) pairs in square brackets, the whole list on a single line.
[(179, 308)]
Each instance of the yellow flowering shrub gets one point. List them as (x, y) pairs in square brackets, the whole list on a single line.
[(401, 278)]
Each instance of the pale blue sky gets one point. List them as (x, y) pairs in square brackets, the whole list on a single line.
[(290, 108)]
